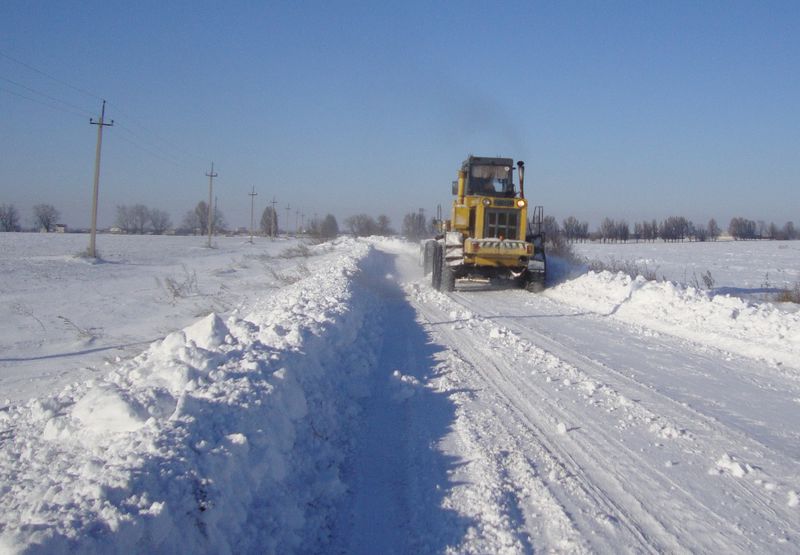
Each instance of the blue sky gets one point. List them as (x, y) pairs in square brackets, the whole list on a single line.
[(633, 110)]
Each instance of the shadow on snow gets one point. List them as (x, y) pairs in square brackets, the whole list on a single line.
[(398, 475)]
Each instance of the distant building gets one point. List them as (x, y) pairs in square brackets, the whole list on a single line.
[(61, 228)]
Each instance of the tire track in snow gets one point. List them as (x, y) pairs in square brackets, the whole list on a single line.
[(424, 468), (654, 529), (706, 429), (563, 469), (503, 470)]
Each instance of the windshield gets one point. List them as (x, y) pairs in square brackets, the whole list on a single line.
[(490, 180)]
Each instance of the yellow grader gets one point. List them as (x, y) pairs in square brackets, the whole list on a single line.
[(488, 237)]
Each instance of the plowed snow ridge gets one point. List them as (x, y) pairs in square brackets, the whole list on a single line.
[(217, 439)]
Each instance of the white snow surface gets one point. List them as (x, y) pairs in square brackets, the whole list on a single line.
[(743, 268), (760, 330), (279, 398)]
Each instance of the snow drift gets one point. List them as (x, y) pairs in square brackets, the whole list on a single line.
[(224, 437), (761, 331)]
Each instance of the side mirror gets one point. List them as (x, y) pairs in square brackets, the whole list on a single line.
[(455, 187)]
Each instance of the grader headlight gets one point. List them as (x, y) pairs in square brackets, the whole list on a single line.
[(521, 202)]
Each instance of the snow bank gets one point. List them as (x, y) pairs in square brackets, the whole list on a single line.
[(64, 317), (760, 331), (224, 437)]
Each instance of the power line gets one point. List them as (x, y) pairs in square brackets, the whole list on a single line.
[(56, 79), (157, 148), (47, 96), (38, 101), (160, 156), (157, 145), (155, 135), (88, 116)]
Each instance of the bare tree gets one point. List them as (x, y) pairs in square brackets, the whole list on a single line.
[(742, 228), (651, 230), (699, 232), (583, 231), (762, 229), (140, 216), (45, 216), (788, 232), (622, 231), (329, 228), (196, 220), (575, 230), (361, 225), (313, 227), (608, 229), (159, 221), (384, 226), (125, 219), (713, 229), (9, 218), (638, 231), (191, 222), (550, 227), (414, 225), (674, 228), (269, 221), (218, 223), (201, 210), (772, 231)]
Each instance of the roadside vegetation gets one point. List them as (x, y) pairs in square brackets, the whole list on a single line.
[(789, 294)]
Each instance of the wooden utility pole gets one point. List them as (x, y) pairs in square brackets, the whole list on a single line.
[(252, 207), (100, 124), (273, 227), (211, 175)]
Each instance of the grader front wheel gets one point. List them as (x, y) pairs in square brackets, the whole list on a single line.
[(436, 266), (448, 277)]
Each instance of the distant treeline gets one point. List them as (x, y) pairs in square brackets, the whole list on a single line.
[(141, 219), (45, 218), (674, 228)]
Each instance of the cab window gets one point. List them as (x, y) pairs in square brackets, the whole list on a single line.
[(490, 180)]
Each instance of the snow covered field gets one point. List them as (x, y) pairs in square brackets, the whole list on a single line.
[(64, 317), (738, 267), (276, 398)]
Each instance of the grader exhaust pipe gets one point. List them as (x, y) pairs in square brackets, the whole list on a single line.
[(521, 168)]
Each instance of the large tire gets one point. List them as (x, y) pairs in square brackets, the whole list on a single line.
[(532, 282), (427, 257), (436, 266), (535, 285), (535, 281), (448, 277)]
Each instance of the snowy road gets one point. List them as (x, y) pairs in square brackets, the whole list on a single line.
[(532, 425), (354, 409)]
